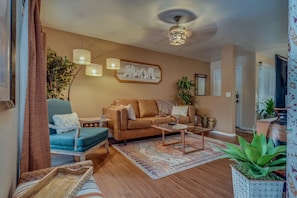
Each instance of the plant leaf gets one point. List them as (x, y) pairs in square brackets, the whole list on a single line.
[(252, 153)]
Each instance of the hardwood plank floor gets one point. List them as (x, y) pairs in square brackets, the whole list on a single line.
[(118, 177)]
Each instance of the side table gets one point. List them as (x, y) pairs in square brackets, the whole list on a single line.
[(94, 122)]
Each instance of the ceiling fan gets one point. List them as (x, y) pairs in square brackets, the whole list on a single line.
[(178, 34)]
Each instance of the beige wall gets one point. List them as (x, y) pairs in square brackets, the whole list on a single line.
[(90, 94), (221, 106)]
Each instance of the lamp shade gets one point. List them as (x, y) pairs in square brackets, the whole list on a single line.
[(177, 35), (113, 63), (94, 70), (81, 56)]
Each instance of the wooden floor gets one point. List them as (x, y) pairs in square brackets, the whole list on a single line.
[(118, 177)]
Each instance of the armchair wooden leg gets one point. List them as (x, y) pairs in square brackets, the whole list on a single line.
[(107, 146)]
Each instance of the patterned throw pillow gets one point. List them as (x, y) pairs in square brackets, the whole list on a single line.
[(165, 106), (66, 120), (131, 113)]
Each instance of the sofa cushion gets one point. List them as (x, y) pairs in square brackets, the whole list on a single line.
[(161, 120), (139, 123), (180, 110), (133, 102), (147, 108), (183, 119), (88, 137)]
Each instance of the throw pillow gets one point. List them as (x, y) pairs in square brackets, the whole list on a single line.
[(165, 106), (131, 113), (179, 110), (66, 120)]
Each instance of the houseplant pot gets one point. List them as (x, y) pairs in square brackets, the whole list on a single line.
[(253, 188), (253, 176)]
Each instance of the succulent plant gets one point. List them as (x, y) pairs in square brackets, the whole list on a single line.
[(258, 158)]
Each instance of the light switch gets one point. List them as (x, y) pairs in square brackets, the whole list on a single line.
[(228, 94)]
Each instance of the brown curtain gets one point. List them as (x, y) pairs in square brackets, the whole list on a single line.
[(35, 148)]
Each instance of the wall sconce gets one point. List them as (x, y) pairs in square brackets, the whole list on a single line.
[(81, 56), (94, 70), (113, 63)]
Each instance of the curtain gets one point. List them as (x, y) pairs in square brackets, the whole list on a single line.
[(35, 148)]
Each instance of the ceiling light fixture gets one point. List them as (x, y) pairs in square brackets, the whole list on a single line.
[(177, 34), (81, 56), (113, 63), (94, 70)]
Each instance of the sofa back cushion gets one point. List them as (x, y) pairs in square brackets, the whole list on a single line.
[(147, 108), (132, 102)]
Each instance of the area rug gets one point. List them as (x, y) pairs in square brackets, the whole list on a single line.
[(158, 161)]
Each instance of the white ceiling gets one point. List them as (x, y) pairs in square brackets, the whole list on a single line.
[(252, 25)]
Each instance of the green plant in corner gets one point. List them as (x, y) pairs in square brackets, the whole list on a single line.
[(59, 74), (258, 159), (184, 87)]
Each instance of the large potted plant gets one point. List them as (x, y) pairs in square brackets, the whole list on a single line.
[(253, 176), (184, 88), (59, 74)]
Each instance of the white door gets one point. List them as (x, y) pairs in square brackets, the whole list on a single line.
[(216, 82), (266, 84), (238, 101)]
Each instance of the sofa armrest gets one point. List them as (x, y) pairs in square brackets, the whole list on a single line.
[(191, 114), (118, 116)]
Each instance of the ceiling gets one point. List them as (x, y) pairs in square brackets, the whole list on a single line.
[(258, 26)]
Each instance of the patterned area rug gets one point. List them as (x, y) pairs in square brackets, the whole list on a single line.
[(159, 161)]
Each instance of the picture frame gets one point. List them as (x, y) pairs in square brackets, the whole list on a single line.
[(7, 54), (200, 84), (138, 72)]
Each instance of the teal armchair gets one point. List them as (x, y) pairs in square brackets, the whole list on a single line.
[(70, 138)]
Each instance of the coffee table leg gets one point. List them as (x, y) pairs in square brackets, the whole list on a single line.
[(202, 138), (163, 137), (182, 133)]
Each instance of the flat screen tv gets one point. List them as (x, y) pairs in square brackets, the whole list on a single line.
[(281, 65)]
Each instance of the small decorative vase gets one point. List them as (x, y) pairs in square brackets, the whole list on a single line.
[(204, 122), (278, 128), (211, 123)]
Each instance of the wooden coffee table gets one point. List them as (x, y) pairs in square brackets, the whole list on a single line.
[(183, 130), (197, 130)]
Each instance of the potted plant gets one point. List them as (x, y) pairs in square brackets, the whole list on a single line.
[(184, 88), (253, 176), (59, 74), (268, 110)]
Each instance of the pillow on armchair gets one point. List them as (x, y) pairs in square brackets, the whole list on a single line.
[(66, 120)]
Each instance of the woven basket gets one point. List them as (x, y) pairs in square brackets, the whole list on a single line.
[(248, 188)]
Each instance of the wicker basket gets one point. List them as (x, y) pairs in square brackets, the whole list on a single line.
[(247, 188)]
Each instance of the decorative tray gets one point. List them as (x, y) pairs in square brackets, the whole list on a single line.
[(60, 183)]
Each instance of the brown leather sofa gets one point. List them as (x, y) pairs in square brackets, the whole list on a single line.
[(147, 113)]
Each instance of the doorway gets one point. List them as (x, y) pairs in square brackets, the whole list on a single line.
[(238, 99)]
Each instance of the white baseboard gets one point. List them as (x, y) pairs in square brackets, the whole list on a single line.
[(224, 133), (246, 128)]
